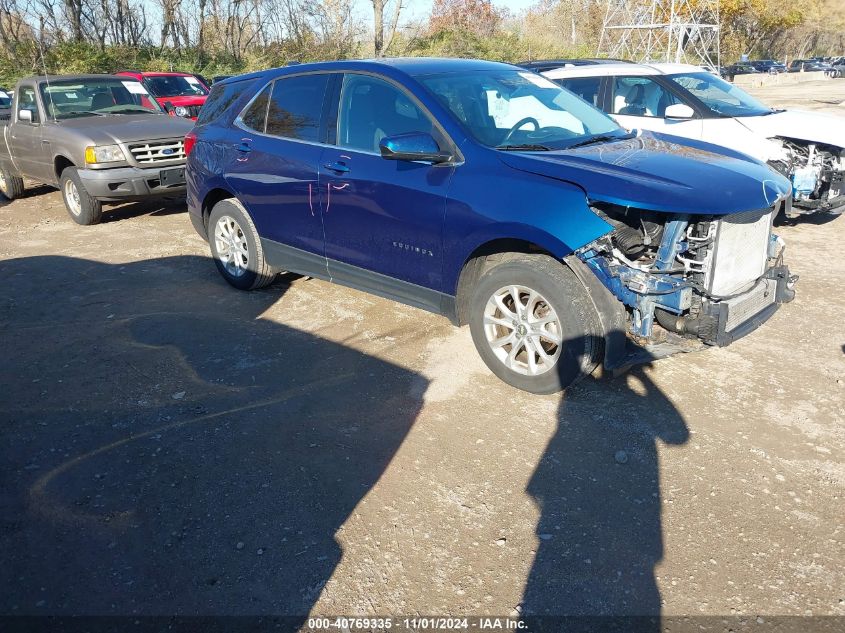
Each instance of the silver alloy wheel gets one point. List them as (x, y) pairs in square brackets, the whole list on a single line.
[(72, 197), (231, 245), (523, 330)]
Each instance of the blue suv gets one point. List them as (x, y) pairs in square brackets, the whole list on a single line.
[(486, 193)]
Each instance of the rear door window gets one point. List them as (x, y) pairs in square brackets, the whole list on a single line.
[(296, 106), (587, 88)]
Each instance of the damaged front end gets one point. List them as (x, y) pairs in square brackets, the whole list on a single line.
[(817, 172), (689, 280)]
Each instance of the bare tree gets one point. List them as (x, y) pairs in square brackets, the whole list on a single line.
[(381, 43)]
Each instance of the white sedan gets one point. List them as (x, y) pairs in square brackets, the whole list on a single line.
[(686, 101)]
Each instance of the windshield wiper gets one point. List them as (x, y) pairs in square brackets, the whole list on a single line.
[(527, 147), (600, 138), (81, 112), (137, 110)]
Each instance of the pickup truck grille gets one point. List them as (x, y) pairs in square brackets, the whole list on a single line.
[(155, 152)]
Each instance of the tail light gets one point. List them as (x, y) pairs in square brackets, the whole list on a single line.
[(190, 141)]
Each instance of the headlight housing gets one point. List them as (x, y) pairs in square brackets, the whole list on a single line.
[(181, 111), (97, 154)]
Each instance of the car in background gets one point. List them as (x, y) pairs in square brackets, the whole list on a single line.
[(739, 68), (97, 138), (486, 193), (685, 101), (809, 65), (5, 104), (180, 94), (769, 66), (838, 64)]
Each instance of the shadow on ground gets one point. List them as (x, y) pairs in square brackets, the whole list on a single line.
[(166, 450), (598, 490)]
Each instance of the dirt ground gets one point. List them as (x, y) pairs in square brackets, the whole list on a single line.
[(169, 445)]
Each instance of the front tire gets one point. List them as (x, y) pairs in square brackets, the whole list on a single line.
[(236, 247), (11, 186), (82, 208), (534, 325)]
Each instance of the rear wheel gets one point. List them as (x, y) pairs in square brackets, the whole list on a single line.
[(11, 186), (236, 247), (534, 325), (82, 208)]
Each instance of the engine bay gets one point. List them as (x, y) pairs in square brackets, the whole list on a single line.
[(709, 278), (817, 172)]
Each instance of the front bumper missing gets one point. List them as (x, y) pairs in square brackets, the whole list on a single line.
[(726, 321), (833, 206), (722, 323)]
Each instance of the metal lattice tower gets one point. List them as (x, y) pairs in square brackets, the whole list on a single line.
[(662, 31)]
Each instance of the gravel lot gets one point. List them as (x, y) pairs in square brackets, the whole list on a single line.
[(169, 445)]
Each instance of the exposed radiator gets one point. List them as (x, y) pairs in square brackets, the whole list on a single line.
[(739, 252)]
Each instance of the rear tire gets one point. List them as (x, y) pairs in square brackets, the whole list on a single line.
[(11, 186), (236, 247), (534, 325), (82, 208)]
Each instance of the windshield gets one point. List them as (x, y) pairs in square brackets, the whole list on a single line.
[(92, 97), (175, 86), (512, 109), (5, 100), (720, 96)]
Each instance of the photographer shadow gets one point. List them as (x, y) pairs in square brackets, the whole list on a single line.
[(599, 493)]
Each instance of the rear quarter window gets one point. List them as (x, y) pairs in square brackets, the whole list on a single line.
[(222, 98)]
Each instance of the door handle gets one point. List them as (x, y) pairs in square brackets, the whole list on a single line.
[(45, 142), (340, 168), (243, 147)]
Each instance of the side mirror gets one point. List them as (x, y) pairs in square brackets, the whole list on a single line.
[(679, 111), (25, 115), (413, 147)]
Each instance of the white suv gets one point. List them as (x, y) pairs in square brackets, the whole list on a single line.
[(687, 101)]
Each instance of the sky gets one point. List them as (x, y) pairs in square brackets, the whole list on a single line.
[(420, 8)]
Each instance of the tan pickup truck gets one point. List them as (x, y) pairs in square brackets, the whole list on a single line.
[(97, 138)]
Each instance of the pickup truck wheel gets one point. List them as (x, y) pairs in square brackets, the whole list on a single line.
[(10, 186), (82, 208), (534, 324), (236, 247)]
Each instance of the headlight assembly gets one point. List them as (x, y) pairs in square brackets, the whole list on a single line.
[(181, 111), (98, 154)]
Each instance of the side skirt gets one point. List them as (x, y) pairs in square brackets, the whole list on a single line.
[(302, 262)]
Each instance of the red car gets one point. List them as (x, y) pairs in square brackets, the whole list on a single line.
[(181, 94)]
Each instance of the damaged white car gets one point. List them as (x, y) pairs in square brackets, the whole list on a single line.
[(806, 147)]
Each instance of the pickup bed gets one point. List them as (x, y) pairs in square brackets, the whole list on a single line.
[(97, 138)]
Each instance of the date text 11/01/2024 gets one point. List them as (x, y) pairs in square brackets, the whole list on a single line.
[(417, 624)]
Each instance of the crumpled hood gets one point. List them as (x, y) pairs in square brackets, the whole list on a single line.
[(661, 173), (128, 128), (798, 124)]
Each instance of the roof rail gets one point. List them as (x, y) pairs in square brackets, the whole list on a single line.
[(542, 65)]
